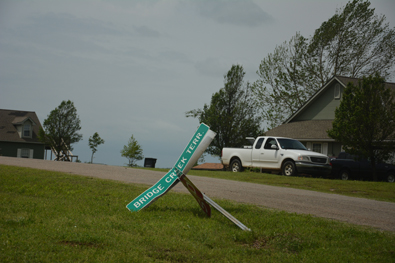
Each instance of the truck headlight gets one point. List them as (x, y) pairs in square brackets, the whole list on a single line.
[(304, 158)]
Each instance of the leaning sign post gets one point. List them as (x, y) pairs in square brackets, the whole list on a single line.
[(194, 149), (202, 137)]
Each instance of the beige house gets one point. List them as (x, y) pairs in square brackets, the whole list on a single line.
[(310, 123)]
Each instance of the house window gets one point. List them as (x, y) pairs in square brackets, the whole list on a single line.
[(27, 130), (25, 153), (317, 147), (337, 91)]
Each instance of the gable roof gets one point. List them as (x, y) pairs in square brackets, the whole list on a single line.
[(342, 80), (22, 120), (310, 130), (10, 119), (339, 79)]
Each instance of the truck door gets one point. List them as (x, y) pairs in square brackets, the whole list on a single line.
[(360, 167), (269, 156), (256, 153), (365, 169)]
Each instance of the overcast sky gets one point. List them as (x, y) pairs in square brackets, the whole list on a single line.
[(136, 67)]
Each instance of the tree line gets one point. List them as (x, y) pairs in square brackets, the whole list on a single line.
[(61, 129), (354, 42)]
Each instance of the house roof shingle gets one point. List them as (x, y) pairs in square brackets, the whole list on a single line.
[(8, 121), (303, 130), (21, 120)]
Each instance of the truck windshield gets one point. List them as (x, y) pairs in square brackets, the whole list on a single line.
[(291, 144)]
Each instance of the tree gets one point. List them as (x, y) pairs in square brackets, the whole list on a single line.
[(353, 43), (94, 142), (288, 84), (231, 113), (61, 129), (365, 120), (132, 151)]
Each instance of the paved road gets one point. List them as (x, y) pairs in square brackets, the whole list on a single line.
[(360, 211)]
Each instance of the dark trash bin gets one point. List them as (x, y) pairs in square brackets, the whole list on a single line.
[(149, 162)]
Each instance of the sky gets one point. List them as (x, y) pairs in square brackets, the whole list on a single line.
[(136, 67)]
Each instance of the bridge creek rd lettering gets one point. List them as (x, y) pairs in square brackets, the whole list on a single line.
[(187, 154), (188, 158), (153, 193)]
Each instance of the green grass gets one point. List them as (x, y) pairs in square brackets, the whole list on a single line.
[(381, 191), (56, 217)]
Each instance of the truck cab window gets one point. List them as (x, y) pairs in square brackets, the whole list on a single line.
[(269, 143), (258, 144)]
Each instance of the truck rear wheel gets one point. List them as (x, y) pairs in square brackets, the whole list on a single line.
[(235, 166), (288, 168), (391, 177), (344, 175)]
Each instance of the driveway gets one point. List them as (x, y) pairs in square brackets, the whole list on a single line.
[(378, 214)]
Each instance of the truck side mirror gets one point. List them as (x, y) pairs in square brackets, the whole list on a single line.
[(274, 146)]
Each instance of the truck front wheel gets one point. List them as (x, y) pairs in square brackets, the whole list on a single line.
[(288, 168), (235, 166)]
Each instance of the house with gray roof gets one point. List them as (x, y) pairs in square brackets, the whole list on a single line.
[(19, 134), (310, 123)]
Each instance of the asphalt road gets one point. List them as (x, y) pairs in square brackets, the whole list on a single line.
[(378, 214)]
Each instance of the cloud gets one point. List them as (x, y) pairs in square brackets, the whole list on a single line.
[(62, 23), (241, 13), (145, 31), (59, 33), (174, 56), (213, 67)]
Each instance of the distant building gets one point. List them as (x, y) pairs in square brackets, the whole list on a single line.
[(19, 134), (309, 124)]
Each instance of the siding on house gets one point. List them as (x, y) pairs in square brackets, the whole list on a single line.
[(323, 107), (10, 149), (311, 122)]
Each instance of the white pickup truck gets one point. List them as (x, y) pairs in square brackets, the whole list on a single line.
[(276, 154)]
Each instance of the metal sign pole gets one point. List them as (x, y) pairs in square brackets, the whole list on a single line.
[(225, 213), (195, 193)]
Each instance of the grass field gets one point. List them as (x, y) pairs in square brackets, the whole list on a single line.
[(381, 191), (56, 217)]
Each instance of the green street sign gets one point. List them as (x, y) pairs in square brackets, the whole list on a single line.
[(194, 143), (171, 179), (154, 192), (197, 145)]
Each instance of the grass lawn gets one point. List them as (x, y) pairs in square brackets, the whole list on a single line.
[(381, 191), (56, 217)]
